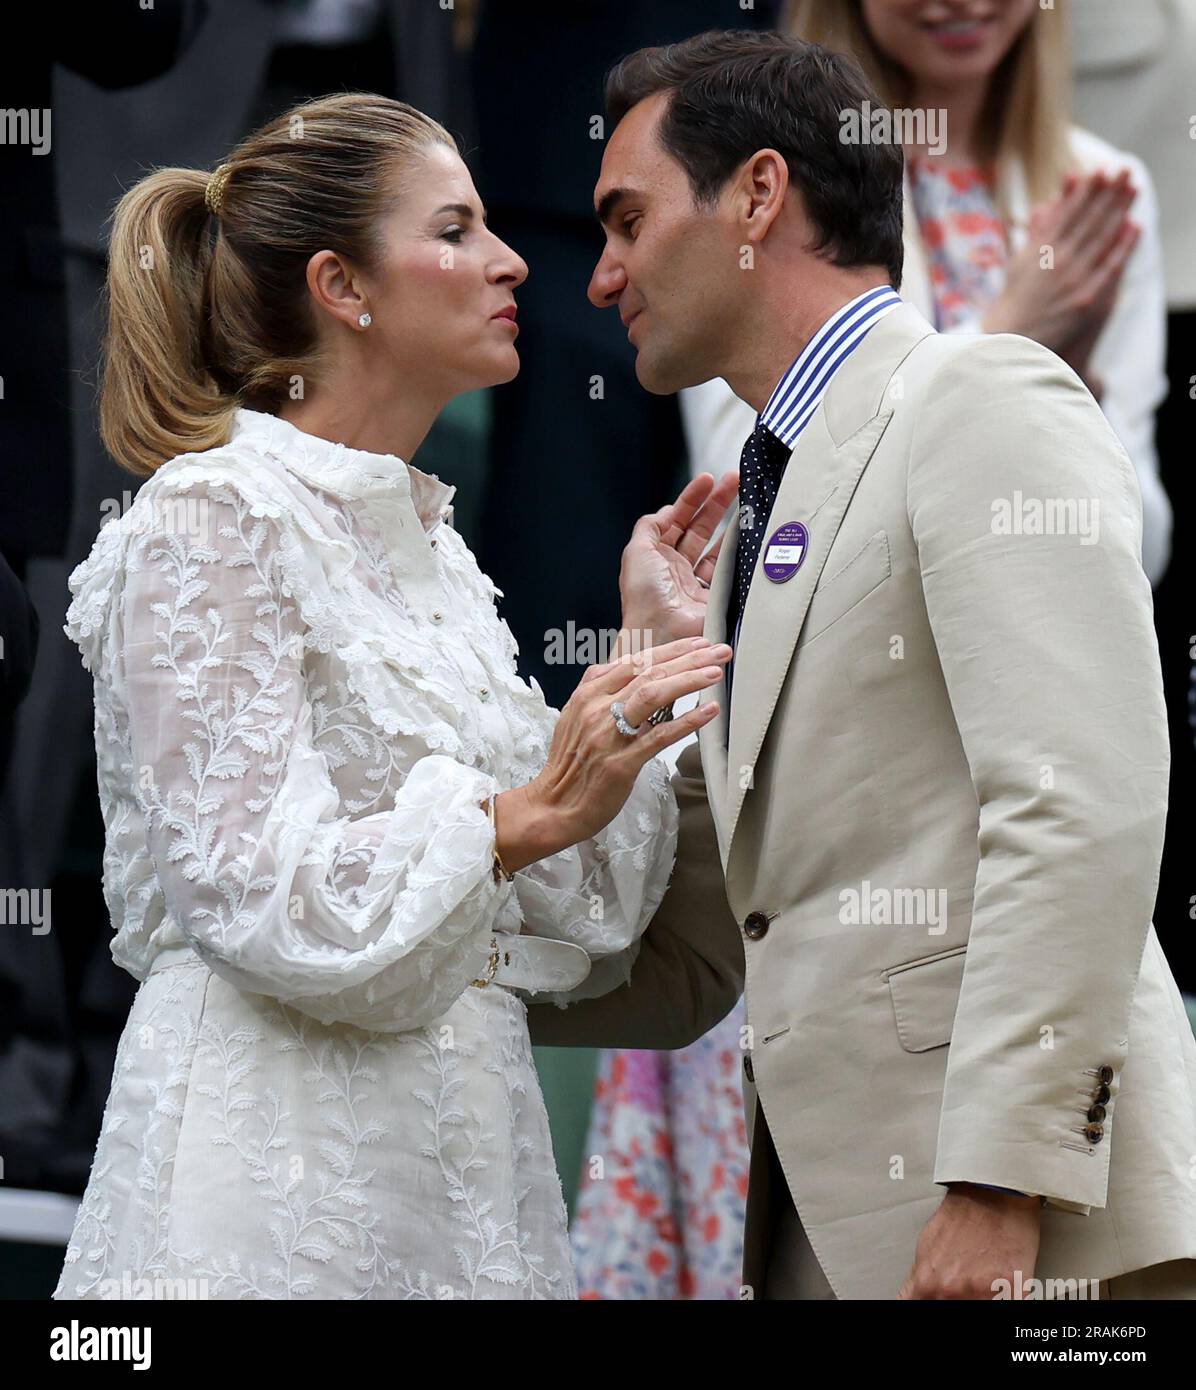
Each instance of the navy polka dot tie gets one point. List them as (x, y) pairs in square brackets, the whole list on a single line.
[(761, 467)]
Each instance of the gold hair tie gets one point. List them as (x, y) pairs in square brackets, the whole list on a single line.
[(214, 193)]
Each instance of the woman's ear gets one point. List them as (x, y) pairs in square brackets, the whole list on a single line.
[(334, 287)]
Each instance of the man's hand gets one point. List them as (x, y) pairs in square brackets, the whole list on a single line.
[(664, 577), (975, 1238)]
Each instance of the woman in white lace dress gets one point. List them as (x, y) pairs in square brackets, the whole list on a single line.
[(343, 836)]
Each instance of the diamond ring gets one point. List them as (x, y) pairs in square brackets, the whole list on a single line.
[(620, 719)]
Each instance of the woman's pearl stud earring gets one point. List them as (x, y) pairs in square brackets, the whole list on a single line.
[(365, 320)]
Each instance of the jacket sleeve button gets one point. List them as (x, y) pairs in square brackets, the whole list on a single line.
[(1096, 1114), (1094, 1133), (747, 1068), (1106, 1075), (1101, 1094)]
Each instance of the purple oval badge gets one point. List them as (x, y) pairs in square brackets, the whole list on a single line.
[(785, 550)]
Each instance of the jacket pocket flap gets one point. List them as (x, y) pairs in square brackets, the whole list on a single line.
[(925, 993)]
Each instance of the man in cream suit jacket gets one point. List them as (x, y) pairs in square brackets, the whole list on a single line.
[(925, 838)]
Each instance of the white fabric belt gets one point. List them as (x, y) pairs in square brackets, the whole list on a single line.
[(532, 963)]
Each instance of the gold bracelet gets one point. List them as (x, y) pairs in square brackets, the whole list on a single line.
[(500, 869)]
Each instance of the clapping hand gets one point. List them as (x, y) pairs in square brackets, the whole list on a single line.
[(1065, 304)]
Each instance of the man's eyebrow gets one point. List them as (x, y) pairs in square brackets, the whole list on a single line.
[(609, 201), (463, 208)]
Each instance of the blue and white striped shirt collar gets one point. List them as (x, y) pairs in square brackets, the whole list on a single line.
[(792, 405)]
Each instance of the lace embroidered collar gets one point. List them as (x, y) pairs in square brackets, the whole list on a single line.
[(339, 469)]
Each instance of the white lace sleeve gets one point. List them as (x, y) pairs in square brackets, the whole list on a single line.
[(602, 893), (381, 920)]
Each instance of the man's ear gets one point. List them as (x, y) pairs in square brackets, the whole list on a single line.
[(762, 183), (333, 285)]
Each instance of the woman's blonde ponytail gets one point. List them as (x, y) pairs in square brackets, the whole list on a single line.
[(158, 397)]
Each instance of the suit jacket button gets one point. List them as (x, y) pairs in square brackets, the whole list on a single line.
[(755, 925), (1096, 1114), (1101, 1094), (747, 1068), (1094, 1133), (1106, 1075)]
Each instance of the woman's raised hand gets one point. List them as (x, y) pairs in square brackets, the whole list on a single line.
[(666, 569), (591, 766), (1065, 303)]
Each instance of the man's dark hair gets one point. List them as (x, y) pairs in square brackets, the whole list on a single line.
[(736, 92)]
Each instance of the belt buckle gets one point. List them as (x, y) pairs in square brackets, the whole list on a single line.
[(491, 967)]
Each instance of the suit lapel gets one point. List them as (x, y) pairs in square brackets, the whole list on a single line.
[(817, 486), (712, 737), (819, 482)]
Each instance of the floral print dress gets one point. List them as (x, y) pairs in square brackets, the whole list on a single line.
[(661, 1207), (304, 694), (964, 237)]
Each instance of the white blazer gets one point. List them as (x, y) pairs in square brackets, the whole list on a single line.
[(1129, 355)]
